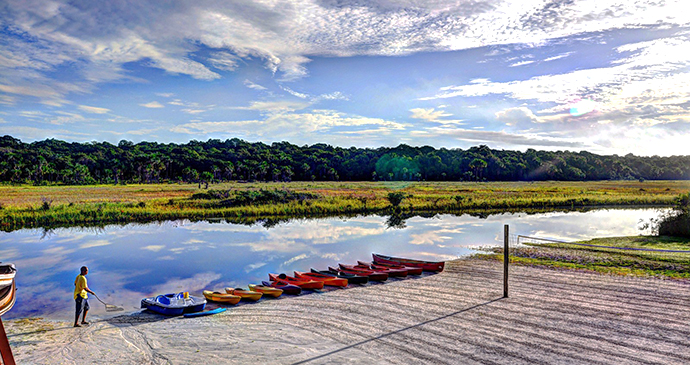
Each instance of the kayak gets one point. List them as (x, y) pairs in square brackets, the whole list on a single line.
[(393, 273), (327, 279), (304, 284), (205, 313), (351, 278), (371, 274), (245, 294), (436, 266), (286, 287), (174, 304), (7, 274), (410, 270), (219, 297), (8, 296), (266, 290)]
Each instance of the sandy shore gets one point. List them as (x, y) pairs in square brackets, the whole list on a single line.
[(458, 316)]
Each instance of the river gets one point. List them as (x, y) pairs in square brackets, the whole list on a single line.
[(129, 262)]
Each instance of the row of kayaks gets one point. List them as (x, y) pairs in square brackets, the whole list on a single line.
[(8, 287), (382, 268)]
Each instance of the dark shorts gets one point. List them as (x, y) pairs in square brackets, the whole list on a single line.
[(82, 305)]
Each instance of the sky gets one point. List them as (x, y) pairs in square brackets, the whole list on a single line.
[(608, 77)]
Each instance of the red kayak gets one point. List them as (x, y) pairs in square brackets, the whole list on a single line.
[(327, 279), (371, 274), (410, 270), (392, 273), (304, 284), (436, 266)]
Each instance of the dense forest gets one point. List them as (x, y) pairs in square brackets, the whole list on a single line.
[(57, 162)]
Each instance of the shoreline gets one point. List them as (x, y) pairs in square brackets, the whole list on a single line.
[(457, 316)]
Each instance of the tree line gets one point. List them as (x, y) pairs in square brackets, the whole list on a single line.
[(53, 161)]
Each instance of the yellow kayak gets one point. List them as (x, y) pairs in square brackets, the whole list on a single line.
[(244, 294), (221, 297), (266, 290)]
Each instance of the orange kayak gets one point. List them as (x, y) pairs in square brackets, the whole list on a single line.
[(266, 290), (327, 279), (244, 294), (219, 297), (304, 284)]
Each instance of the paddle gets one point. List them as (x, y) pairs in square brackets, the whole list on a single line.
[(109, 307)]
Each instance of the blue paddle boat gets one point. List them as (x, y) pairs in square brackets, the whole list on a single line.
[(174, 304)]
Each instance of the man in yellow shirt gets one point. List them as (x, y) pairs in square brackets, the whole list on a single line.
[(80, 296)]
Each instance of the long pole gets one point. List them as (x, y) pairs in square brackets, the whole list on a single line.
[(5, 350), (506, 259)]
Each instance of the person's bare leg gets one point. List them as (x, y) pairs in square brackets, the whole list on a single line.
[(83, 319)]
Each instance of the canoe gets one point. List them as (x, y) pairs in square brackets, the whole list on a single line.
[(287, 288), (351, 278), (266, 290), (245, 294), (327, 279), (392, 273), (205, 313), (304, 284), (436, 266), (7, 274), (174, 304), (8, 296), (372, 275), (410, 270), (219, 297)]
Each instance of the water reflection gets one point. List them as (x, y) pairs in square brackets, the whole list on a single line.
[(134, 261)]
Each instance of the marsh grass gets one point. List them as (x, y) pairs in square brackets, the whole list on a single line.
[(100, 204), (611, 261)]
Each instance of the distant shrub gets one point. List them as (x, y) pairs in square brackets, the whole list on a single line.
[(212, 195), (46, 203), (248, 197), (675, 222), (395, 198), (141, 205)]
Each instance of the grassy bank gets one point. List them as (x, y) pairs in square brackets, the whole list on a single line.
[(673, 265), (29, 206)]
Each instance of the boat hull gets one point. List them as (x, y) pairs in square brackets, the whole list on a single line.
[(245, 294), (205, 313), (266, 290), (351, 279), (287, 288), (219, 297), (372, 275), (304, 284), (327, 280), (410, 270), (174, 304), (434, 266)]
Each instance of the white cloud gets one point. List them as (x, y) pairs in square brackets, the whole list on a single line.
[(295, 93), (519, 115), (93, 109), (252, 85), (153, 104), (432, 115), (153, 248)]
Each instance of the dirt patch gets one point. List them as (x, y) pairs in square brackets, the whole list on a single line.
[(458, 316)]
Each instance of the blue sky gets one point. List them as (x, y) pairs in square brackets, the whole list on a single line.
[(609, 77)]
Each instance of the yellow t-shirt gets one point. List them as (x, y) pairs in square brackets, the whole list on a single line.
[(79, 285)]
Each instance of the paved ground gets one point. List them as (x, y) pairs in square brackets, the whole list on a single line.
[(456, 317)]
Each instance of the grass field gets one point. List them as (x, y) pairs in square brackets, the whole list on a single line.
[(41, 206), (675, 265)]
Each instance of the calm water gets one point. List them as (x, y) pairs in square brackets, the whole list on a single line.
[(130, 262)]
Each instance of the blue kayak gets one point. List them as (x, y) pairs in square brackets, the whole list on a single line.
[(205, 313)]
